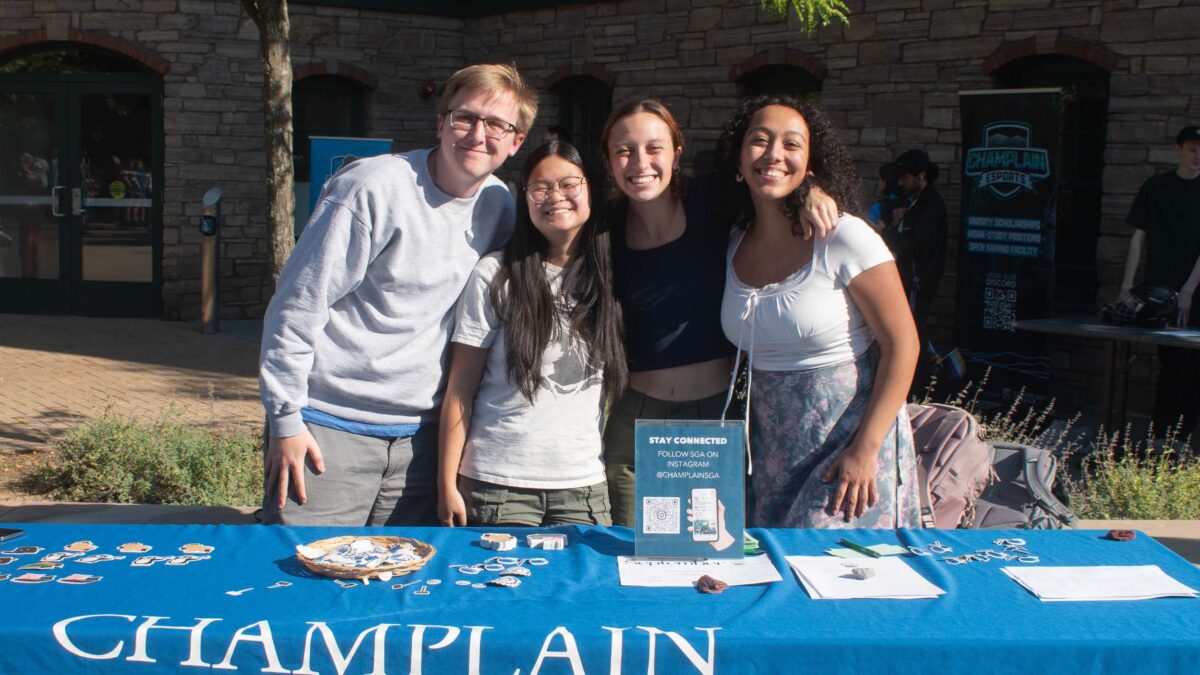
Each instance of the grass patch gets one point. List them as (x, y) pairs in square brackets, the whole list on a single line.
[(133, 461), (1114, 476)]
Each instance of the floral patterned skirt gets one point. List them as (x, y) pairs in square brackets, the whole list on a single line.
[(799, 422)]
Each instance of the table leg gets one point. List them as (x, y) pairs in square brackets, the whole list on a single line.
[(1123, 357)]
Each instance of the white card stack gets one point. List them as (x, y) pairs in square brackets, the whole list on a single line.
[(829, 578), (1099, 583)]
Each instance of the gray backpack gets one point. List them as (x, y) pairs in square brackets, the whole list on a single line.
[(1022, 495)]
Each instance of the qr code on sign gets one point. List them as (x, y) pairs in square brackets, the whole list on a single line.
[(660, 515)]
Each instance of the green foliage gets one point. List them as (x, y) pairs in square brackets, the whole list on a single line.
[(1137, 480), (161, 462), (1114, 477), (813, 14)]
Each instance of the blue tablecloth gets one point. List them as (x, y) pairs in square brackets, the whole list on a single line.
[(572, 616)]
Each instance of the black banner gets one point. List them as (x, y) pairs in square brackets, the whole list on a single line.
[(1006, 262)]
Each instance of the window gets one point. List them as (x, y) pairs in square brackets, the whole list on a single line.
[(781, 79), (325, 105), (583, 104)]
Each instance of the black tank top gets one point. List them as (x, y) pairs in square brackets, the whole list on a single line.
[(671, 294)]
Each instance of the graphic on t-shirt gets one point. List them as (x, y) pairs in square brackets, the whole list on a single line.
[(570, 370)]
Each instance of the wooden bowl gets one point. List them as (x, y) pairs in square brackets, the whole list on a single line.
[(425, 551)]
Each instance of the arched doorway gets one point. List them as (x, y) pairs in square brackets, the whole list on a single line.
[(780, 79), (80, 182), (1084, 124), (583, 104)]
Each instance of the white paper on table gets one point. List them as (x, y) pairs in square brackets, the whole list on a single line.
[(673, 572), (827, 578), (1099, 583)]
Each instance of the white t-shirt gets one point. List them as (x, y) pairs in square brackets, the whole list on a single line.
[(552, 443), (807, 320)]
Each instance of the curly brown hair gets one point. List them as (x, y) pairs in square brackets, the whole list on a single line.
[(832, 167)]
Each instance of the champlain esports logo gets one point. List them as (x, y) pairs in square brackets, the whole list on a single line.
[(1006, 164)]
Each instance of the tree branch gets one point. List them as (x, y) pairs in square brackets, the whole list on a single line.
[(813, 14)]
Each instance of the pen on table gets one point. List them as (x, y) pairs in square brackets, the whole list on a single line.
[(859, 548)]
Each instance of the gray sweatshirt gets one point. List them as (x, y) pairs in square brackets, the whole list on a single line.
[(360, 323)]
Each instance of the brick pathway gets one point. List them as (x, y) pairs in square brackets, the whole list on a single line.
[(57, 371)]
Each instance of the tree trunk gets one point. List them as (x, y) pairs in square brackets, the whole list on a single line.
[(271, 17)]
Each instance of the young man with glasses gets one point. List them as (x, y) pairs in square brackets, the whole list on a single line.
[(355, 340)]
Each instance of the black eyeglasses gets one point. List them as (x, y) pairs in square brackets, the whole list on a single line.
[(569, 187), (461, 120)]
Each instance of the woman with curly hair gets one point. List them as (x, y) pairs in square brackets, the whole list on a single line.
[(668, 243), (826, 328)]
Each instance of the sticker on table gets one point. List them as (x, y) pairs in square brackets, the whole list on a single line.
[(196, 548), (280, 584), (6, 560), (4, 577), (84, 546), (79, 579), (60, 557), (32, 578), (98, 558), (23, 550), (134, 547), (148, 560), (238, 592), (41, 566)]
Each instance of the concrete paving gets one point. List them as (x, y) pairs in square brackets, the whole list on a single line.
[(59, 371)]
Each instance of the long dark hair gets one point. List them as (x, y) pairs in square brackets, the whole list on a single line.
[(530, 312), (831, 164)]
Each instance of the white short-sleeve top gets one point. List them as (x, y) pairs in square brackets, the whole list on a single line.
[(552, 443), (807, 320)]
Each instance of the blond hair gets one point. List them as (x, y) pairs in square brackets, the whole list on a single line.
[(493, 78)]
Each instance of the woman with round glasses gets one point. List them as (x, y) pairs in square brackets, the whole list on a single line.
[(537, 352), (669, 270)]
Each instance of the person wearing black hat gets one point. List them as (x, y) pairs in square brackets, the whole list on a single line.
[(918, 240), (1166, 219)]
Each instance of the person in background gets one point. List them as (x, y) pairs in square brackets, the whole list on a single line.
[(829, 339), (356, 338), (669, 270), (1165, 217), (881, 211), (918, 240), (537, 352)]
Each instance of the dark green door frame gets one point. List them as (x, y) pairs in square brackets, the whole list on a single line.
[(71, 292)]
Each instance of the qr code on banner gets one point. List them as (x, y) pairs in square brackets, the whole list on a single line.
[(660, 515)]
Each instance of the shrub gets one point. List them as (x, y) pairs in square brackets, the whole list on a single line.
[(1147, 480), (1112, 477), (120, 460)]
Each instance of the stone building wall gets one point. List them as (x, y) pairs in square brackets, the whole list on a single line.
[(891, 80)]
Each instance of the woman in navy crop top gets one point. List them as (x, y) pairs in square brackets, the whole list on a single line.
[(669, 274)]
